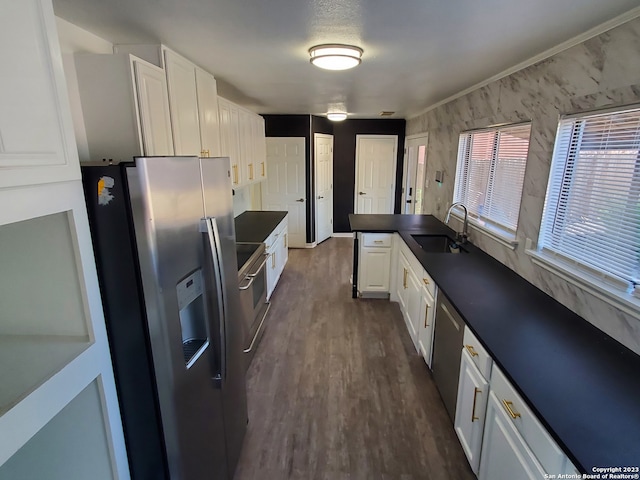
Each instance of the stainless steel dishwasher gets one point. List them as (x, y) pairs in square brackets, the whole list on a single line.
[(447, 349)]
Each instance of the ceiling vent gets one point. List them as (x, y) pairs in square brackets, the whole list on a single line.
[(386, 113)]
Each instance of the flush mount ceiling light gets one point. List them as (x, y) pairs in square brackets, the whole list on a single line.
[(336, 117), (335, 56)]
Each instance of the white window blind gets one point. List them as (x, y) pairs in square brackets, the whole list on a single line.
[(490, 174), (592, 210)]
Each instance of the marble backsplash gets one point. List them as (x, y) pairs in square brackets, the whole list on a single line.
[(601, 72)]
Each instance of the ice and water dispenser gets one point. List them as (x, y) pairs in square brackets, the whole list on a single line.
[(192, 317)]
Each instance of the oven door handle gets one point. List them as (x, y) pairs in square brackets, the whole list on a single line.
[(257, 272), (246, 287)]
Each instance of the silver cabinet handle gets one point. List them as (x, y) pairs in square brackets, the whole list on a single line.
[(300, 200)]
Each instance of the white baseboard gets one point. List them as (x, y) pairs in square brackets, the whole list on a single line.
[(342, 234), (310, 245)]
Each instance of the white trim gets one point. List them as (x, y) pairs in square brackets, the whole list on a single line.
[(393, 170), (410, 141), (310, 245), (572, 42), (342, 235), (613, 296), (494, 233), (317, 136)]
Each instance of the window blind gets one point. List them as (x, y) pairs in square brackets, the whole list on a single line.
[(490, 173), (592, 208)]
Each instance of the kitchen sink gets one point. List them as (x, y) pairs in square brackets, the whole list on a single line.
[(438, 244)]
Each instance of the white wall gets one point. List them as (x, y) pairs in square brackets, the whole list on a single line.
[(600, 72), (73, 40)]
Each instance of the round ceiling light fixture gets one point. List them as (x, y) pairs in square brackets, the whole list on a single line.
[(336, 116), (335, 56)]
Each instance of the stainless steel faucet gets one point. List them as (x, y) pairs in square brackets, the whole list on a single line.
[(461, 237)]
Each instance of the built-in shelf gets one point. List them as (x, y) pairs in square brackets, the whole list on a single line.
[(27, 361), (74, 444)]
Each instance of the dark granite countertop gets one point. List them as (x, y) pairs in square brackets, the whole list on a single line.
[(583, 385), (255, 225)]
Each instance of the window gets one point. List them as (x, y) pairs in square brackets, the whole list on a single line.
[(490, 175), (591, 215)]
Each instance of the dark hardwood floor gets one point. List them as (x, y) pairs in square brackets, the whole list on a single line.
[(336, 390)]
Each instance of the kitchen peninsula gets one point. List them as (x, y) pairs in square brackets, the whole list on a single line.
[(580, 383)]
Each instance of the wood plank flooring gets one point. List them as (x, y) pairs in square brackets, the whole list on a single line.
[(336, 390)]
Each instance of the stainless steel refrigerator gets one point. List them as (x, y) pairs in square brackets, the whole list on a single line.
[(164, 241)]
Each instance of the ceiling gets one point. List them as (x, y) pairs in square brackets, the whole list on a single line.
[(416, 52)]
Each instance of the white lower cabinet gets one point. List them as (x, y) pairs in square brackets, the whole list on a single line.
[(426, 320), (515, 442), (504, 452), (473, 391), (374, 264), (277, 247)]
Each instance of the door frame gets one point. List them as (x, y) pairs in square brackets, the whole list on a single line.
[(315, 183), (405, 163), (394, 169)]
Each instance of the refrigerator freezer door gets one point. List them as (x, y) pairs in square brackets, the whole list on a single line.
[(218, 204), (166, 196)]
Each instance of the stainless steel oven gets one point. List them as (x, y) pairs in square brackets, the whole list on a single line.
[(252, 281)]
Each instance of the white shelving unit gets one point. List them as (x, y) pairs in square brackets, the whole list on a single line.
[(59, 416)]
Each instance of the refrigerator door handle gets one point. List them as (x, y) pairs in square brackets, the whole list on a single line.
[(211, 229)]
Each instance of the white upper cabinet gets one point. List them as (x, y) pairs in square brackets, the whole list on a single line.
[(242, 139), (208, 113), (124, 107), (35, 119), (153, 109), (183, 103)]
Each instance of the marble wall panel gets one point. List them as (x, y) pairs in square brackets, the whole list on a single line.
[(601, 72)]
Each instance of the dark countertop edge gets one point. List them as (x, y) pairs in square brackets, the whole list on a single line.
[(254, 226), (432, 226)]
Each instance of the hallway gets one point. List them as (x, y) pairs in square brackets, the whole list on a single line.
[(336, 390)]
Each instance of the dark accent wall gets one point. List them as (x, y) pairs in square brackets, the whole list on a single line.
[(297, 126), (344, 163), (344, 158)]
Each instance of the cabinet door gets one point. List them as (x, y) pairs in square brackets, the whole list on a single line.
[(208, 113), (374, 269), (183, 103), (153, 108), (504, 453), (473, 391), (426, 325), (35, 119), (247, 150), (228, 115), (402, 270), (413, 306), (260, 147)]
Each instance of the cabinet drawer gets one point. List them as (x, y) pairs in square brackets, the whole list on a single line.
[(534, 434), (376, 240), (275, 234), (478, 354), (427, 282)]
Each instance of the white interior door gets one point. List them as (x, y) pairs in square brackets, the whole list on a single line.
[(375, 173), (415, 166), (285, 187), (323, 148)]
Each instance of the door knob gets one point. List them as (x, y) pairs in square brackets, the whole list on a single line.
[(319, 197), (361, 193), (300, 200)]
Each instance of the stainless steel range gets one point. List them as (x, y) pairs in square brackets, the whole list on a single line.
[(252, 280)]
